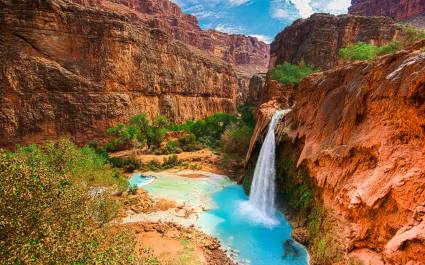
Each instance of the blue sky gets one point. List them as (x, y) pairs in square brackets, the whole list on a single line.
[(259, 18)]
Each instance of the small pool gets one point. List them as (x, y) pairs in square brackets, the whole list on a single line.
[(140, 180)]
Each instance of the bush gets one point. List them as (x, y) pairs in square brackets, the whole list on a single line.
[(359, 51), (188, 143), (47, 213), (171, 162), (413, 34), (235, 139), (132, 189), (172, 147), (128, 164), (389, 48), (287, 73)]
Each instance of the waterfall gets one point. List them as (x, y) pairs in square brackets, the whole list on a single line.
[(262, 198)]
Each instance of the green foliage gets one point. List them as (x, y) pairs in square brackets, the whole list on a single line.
[(128, 164), (171, 162), (235, 140), (359, 51), (413, 34), (132, 189), (157, 131), (247, 115), (389, 48), (287, 73), (172, 147), (47, 213), (189, 143)]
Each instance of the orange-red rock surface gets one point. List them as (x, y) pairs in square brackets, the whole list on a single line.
[(66, 69), (398, 10), (248, 53), (316, 41), (362, 129)]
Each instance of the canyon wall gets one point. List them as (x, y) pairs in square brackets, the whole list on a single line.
[(66, 69), (360, 129), (247, 53), (398, 10), (317, 40)]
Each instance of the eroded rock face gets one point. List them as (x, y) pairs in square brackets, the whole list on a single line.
[(362, 129), (398, 10), (73, 70), (317, 40), (255, 88), (248, 53)]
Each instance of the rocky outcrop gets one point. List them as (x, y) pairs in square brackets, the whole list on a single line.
[(248, 53), (255, 88), (317, 40), (398, 10), (361, 132), (71, 70)]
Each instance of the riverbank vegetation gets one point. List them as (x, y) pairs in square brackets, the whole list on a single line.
[(54, 208)]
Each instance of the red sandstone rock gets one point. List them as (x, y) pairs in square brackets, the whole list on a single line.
[(69, 70), (398, 10), (250, 54), (317, 40), (362, 134)]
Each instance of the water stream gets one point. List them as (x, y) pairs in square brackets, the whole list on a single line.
[(261, 205), (251, 227)]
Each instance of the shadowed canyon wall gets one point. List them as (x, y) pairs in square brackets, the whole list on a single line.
[(72, 70), (360, 132), (317, 40), (398, 10)]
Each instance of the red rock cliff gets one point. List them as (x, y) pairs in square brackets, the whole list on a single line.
[(70, 70), (361, 132), (317, 40), (398, 10), (248, 53)]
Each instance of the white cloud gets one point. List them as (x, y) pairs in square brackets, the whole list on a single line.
[(229, 29), (238, 2), (263, 38), (280, 13), (304, 7)]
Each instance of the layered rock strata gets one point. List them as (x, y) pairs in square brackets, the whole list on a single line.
[(398, 10), (73, 70), (361, 132), (316, 41)]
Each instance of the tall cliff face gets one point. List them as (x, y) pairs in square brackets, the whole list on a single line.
[(71, 70), (317, 40), (361, 132), (247, 53), (398, 10)]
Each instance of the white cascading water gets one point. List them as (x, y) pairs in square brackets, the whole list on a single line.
[(261, 205)]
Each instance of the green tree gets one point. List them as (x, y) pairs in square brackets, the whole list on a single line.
[(287, 73), (359, 51)]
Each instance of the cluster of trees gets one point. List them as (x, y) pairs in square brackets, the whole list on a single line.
[(138, 133), (49, 213)]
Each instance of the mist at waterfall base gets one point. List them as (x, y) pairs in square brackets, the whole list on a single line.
[(253, 226)]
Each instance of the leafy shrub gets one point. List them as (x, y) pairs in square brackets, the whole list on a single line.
[(128, 164), (413, 34), (359, 51), (171, 162), (47, 213), (132, 189), (189, 143), (247, 115), (172, 147), (287, 73), (389, 48), (154, 165), (235, 139)]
